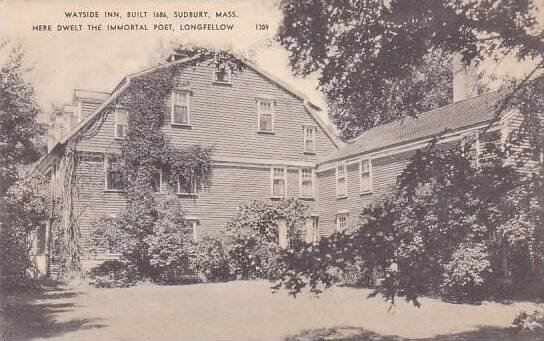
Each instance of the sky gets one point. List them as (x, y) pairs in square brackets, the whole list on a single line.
[(97, 60)]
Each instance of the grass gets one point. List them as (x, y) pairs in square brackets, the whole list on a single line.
[(247, 311)]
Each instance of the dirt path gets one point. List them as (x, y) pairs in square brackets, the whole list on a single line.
[(247, 311)]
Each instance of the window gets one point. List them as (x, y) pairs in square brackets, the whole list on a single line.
[(186, 185), (341, 181), (114, 175), (310, 235), (121, 126), (307, 183), (157, 181), (222, 75), (341, 222), (279, 182), (470, 145), (265, 113), (309, 139), (366, 176), (180, 107)]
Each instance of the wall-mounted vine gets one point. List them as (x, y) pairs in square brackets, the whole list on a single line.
[(145, 152)]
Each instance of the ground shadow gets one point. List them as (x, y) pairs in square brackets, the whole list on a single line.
[(359, 334), (25, 316)]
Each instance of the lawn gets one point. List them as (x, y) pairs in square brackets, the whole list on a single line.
[(246, 311)]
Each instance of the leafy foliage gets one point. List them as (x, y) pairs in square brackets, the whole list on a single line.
[(529, 321), (22, 195), (18, 113), (23, 209), (114, 274), (254, 235), (379, 60), (451, 227), (151, 232)]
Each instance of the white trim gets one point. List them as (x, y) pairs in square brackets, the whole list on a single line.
[(172, 105), (369, 190), (345, 176), (272, 178), (271, 102), (312, 196), (261, 162)]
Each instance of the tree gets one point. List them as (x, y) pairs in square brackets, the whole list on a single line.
[(18, 113), (373, 55), (449, 227), (22, 194)]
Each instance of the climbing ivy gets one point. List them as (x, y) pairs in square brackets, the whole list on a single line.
[(145, 153)]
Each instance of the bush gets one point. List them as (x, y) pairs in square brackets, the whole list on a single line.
[(465, 274), (152, 236), (358, 275), (253, 236), (114, 274), (212, 260), (529, 321)]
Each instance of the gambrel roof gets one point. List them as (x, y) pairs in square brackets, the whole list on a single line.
[(463, 114), (312, 109)]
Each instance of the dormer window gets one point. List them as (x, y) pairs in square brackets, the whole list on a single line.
[(222, 75), (121, 123), (181, 114), (265, 115)]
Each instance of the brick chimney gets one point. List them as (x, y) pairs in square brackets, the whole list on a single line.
[(465, 79)]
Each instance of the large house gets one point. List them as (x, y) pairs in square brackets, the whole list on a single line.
[(270, 143)]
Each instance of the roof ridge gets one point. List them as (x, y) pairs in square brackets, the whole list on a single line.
[(425, 113)]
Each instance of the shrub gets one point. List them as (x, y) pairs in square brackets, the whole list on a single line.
[(151, 235), (466, 272), (358, 275), (212, 260), (114, 274), (253, 236), (529, 321)]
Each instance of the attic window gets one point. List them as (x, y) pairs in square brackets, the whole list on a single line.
[(222, 75), (121, 126)]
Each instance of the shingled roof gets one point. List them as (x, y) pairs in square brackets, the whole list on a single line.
[(458, 115)]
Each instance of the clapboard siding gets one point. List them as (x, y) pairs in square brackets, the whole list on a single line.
[(385, 173), (221, 115), (92, 201), (226, 116), (232, 187)]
